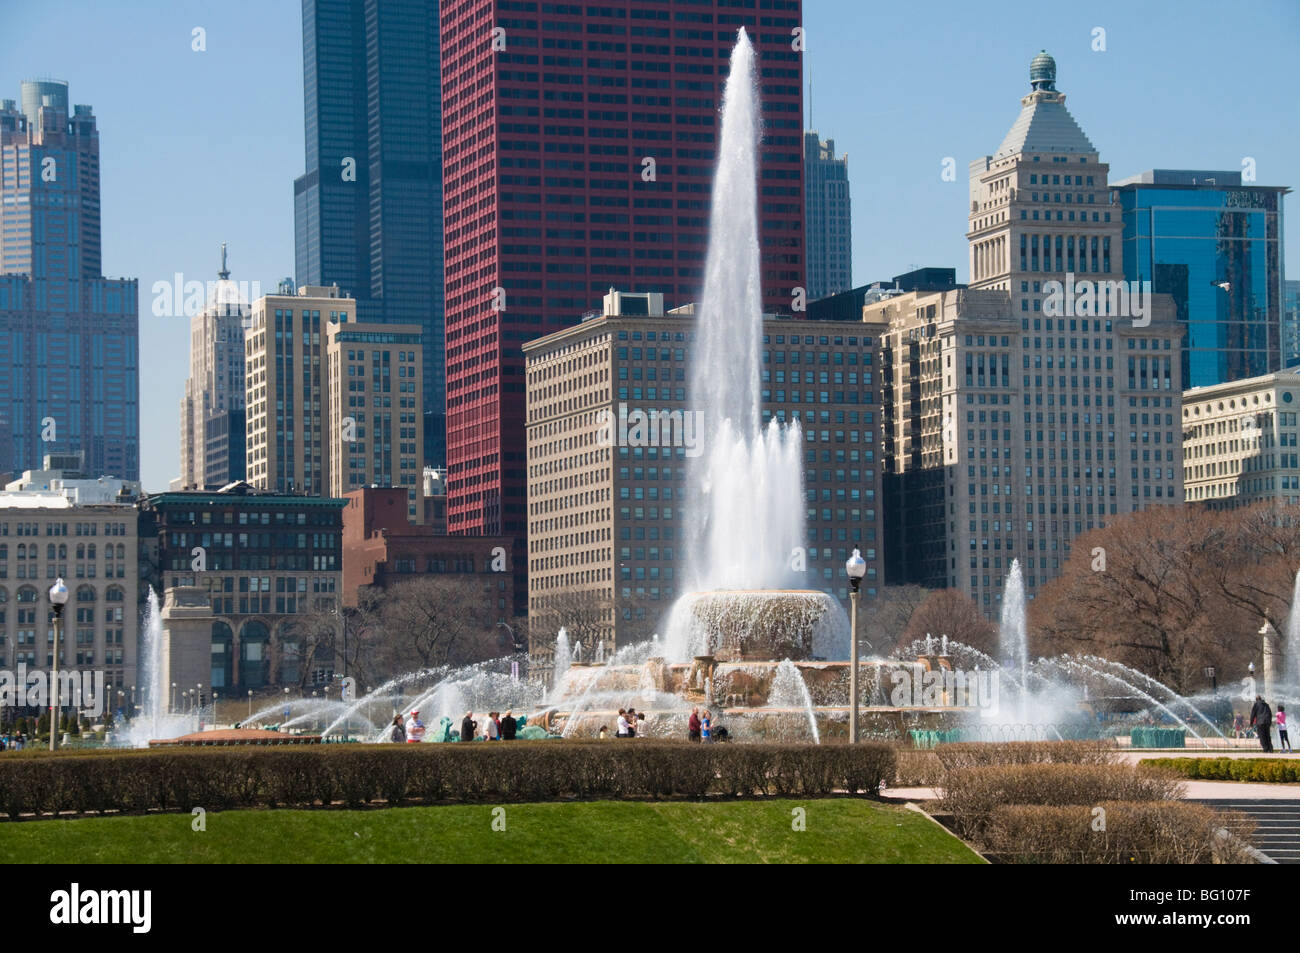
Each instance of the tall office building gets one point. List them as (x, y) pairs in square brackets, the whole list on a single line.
[(286, 394), (68, 336), (579, 155), (829, 233), (610, 435), (368, 209), (1215, 245), (374, 436), (212, 409), (1016, 418)]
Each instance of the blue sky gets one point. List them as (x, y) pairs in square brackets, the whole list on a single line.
[(202, 147)]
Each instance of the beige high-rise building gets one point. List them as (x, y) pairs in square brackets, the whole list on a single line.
[(212, 410), (606, 485), (1045, 398), (1240, 442), (287, 401), (375, 435)]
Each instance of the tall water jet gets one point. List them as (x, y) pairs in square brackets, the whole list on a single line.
[(563, 659), (1013, 634), (1291, 660), (745, 493), (154, 720)]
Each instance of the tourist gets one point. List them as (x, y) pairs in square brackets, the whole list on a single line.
[(604, 731), (706, 726), (621, 731), (508, 727), (1238, 725), (398, 734), (467, 726), (1283, 741), (632, 719), (490, 729), (693, 725), (1261, 719), (414, 728)]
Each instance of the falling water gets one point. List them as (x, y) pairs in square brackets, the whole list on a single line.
[(154, 720), (1291, 660), (789, 691), (563, 659)]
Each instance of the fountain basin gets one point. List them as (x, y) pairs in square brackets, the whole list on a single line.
[(733, 625)]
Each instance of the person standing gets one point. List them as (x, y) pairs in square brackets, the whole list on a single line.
[(414, 728), (1261, 719), (1283, 741), (621, 731), (706, 726), (508, 727), (632, 725), (398, 734), (693, 725), (490, 730), (467, 726)]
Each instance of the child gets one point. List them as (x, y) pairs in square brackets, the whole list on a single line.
[(706, 726), (1281, 728)]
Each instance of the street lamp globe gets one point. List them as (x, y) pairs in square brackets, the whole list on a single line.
[(58, 593), (856, 567)]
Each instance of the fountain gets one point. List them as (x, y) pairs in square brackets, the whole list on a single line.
[(155, 720)]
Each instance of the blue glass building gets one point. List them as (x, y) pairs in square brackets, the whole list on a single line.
[(1215, 245), (69, 338), (368, 209)]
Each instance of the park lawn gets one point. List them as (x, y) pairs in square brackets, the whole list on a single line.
[(839, 830)]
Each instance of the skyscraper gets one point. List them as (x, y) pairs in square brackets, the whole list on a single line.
[(579, 155), (826, 204), (68, 336), (1017, 416), (1214, 244), (212, 410), (368, 209)]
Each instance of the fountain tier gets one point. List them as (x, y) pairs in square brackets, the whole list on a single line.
[(734, 625)]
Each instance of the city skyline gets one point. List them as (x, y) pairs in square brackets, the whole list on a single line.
[(205, 157)]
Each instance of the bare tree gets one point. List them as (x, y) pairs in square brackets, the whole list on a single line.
[(883, 622), (952, 613)]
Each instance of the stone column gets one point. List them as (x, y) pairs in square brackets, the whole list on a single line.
[(1274, 660)]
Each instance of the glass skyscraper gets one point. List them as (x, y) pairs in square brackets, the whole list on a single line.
[(368, 209), (69, 338), (1215, 245)]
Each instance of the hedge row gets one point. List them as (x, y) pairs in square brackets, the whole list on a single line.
[(1231, 769), (357, 775), (1121, 833), (974, 754), (973, 794)]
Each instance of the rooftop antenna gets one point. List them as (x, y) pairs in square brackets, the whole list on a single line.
[(224, 273)]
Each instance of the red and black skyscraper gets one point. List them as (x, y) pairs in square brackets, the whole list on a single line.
[(579, 144)]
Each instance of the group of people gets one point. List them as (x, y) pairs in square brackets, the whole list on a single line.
[(629, 723), (1262, 719), (13, 742), (495, 727), (700, 727)]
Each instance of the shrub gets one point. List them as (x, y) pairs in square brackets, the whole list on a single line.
[(918, 768), (1272, 770), (972, 794), (973, 754), (1132, 832), (357, 775)]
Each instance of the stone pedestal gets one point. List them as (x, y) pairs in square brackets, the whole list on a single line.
[(187, 639)]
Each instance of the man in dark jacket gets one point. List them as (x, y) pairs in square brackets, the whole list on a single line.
[(467, 726), (508, 727), (1261, 716)]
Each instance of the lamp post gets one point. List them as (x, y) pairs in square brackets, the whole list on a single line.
[(856, 567), (58, 599), (250, 703), (173, 696), (1210, 674)]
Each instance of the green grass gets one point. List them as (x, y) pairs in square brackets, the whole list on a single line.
[(839, 830)]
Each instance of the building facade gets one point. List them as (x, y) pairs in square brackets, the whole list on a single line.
[(829, 233), (579, 155), (69, 337), (606, 521), (368, 208), (1290, 323), (266, 561), (1239, 442), (212, 410), (1025, 410), (93, 548), (375, 436), (1214, 245)]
